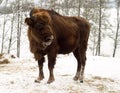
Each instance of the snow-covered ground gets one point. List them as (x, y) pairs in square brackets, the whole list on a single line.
[(102, 75)]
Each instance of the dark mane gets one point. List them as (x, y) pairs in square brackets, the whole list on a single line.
[(51, 12)]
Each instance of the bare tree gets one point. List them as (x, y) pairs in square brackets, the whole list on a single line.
[(11, 32), (18, 29), (52, 4), (117, 31), (99, 34), (3, 33), (79, 2), (1, 1)]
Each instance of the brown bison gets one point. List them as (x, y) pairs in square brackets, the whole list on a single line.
[(50, 34)]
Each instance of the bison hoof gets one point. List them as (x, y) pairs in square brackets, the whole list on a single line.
[(50, 81), (75, 78), (81, 81), (37, 81)]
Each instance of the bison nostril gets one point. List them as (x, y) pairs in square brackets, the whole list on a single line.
[(47, 39)]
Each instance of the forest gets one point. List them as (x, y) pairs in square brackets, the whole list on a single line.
[(103, 15), (18, 68)]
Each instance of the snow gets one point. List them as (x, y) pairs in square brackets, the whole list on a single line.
[(102, 75)]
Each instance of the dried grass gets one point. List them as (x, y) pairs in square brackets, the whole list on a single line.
[(5, 61)]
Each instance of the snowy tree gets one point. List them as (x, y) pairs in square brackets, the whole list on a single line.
[(95, 11), (3, 32), (118, 27)]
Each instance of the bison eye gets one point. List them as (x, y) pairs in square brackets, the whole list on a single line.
[(39, 25)]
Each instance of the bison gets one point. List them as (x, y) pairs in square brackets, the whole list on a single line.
[(50, 33)]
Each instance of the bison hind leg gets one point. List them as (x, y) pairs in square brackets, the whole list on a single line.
[(76, 54), (81, 58)]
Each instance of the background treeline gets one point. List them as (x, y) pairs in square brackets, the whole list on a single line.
[(102, 14)]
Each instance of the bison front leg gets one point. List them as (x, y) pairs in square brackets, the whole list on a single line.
[(51, 63), (41, 74)]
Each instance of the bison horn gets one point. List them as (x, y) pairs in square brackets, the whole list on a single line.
[(34, 10), (31, 12)]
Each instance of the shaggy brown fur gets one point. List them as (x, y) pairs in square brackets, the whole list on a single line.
[(50, 34)]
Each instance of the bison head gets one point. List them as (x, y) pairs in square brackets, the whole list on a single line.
[(40, 24)]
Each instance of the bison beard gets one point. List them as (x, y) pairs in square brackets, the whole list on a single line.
[(50, 33)]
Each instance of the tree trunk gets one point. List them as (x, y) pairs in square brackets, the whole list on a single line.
[(52, 4), (11, 33), (99, 34), (79, 7), (116, 36), (3, 34), (66, 7), (18, 31)]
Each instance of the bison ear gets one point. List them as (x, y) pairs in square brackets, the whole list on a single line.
[(29, 21)]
